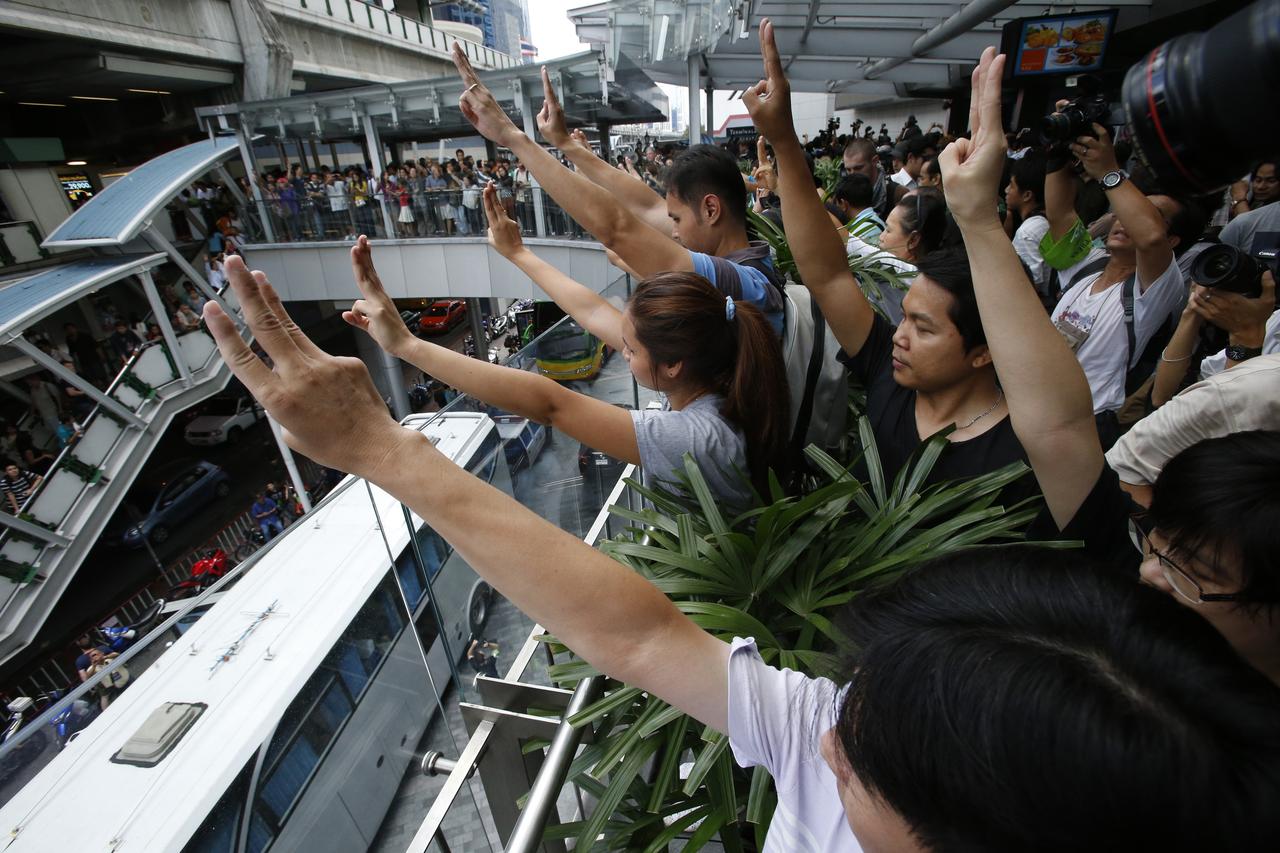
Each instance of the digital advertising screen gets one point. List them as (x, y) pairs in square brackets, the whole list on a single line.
[(1075, 43)]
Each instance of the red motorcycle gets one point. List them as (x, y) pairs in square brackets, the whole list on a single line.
[(208, 569)]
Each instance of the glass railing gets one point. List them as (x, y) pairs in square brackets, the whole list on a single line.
[(545, 470), (417, 213)]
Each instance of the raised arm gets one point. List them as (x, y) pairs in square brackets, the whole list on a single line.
[(611, 616), (595, 422), (1050, 405), (645, 249), (1143, 223), (1060, 187), (589, 309), (635, 195), (817, 247)]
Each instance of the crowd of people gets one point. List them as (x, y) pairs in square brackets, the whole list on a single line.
[(1120, 696)]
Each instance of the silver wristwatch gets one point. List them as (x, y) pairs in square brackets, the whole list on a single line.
[(1113, 179)]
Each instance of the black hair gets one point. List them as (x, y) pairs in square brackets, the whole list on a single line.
[(932, 166), (924, 211), (1021, 699), (1029, 171), (913, 146), (855, 190), (1187, 223), (1219, 497), (948, 268), (708, 169)]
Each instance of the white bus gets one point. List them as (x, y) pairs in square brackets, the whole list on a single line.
[(285, 717)]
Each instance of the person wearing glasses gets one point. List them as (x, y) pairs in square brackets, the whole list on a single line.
[(999, 700), (1209, 535)]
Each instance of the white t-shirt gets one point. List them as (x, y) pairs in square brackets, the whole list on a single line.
[(903, 177), (777, 718), (1093, 323), (337, 193), (1214, 364), (890, 299), (1026, 242)]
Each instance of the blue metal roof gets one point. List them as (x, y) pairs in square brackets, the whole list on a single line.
[(27, 300), (116, 215)]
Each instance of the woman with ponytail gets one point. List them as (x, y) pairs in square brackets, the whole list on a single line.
[(717, 361)]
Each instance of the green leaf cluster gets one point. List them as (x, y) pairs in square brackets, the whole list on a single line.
[(780, 572)]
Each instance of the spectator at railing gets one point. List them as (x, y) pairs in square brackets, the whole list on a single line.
[(335, 193), (14, 443), (123, 341), (317, 205), (84, 351), (46, 404), (75, 401), (18, 484), (266, 514), (67, 432), (186, 320)]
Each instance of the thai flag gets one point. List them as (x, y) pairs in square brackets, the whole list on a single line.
[(527, 48)]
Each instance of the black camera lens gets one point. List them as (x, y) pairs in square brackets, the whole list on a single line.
[(1056, 128), (1185, 101), (1225, 267)]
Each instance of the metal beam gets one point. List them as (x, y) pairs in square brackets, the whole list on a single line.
[(158, 242), (250, 168), (33, 531), (958, 24), (530, 130), (90, 390), (166, 327), (695, 87), (374, 143)]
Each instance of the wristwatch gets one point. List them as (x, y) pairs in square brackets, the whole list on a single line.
[(1235, 352), (1113, 179)]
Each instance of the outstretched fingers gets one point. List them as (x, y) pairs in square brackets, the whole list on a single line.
[(362, 266), (304, 344), (460, 61), (244, 364), (549, 91), (990, 106), (762, 152), (489, 198), (769, 52), (267, 328)]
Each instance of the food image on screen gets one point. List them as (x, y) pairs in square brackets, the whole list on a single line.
[(1061, 45), (1041, 37)]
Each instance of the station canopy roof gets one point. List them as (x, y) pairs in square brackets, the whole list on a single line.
[(25, 301), (875, 50), (592, 91)]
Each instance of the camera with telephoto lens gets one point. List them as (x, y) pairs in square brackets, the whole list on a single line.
[(1197, 106), (1077, 118), (1225, 267)]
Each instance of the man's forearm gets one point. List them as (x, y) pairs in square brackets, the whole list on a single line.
[(1060, 201), (817, 248), (606, 613), (1141, 219), (635, 195), (592, 206), (1043, 383), (526, 394)]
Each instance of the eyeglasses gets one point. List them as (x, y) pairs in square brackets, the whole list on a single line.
[(1183, 583)]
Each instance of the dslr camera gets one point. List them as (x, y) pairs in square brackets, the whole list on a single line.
[(1225, 267), (1076, 119)]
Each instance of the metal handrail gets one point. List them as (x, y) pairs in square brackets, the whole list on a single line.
[(551, 777)]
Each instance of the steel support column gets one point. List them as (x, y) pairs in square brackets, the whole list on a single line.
[(290, 465), (250, 168), (476, 319), (695, 106), (374, 143), (530, 130), (166, 327), (79, 382)]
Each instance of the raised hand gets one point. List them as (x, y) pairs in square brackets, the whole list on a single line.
[(1235, 313), (478, 104), (766, 177), (972, 168), (551, 117), (375, 313), (1096, 156), (328, 406), (769, 101), (504, 233), (579, 137)]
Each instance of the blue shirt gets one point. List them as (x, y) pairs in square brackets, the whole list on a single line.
[(263, 506), (745, 283)]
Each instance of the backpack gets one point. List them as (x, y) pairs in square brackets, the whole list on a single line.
[(817, 382)]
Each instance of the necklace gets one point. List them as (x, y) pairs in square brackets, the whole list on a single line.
[(999, 397)]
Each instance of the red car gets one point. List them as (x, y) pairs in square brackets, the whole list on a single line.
[(441, 316)]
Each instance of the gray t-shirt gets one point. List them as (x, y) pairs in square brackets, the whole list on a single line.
[(664, 436), (1240, 231)]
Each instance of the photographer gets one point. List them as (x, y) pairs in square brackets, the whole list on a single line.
[(1137, 265)]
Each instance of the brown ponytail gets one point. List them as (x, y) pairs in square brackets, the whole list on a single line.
[(680, 316)]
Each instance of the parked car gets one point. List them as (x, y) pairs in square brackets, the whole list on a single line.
[(177, 499), (522, 438), (222, 420), (441, 316)]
